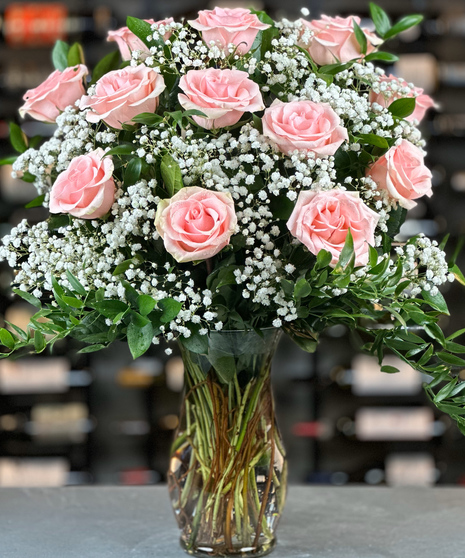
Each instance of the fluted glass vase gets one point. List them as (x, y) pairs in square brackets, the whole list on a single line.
[(227, 475)]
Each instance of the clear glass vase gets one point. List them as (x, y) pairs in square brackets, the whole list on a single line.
[(227, 474)]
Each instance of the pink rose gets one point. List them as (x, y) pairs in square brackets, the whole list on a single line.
[(304, 125), (122, 94), (127, 41), (402, 172), (222, 95), (321, 221), (422, 102), (334, 39), (86, 188), (225, 26), (58, 91), (196, 224)]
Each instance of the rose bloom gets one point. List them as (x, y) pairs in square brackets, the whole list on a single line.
[(122, 94), (304, 125), (222, 95), (321, 221), (86, 188), (58, 91), (334, 40), (422, 102), (195, 223), (127, 41), (402, 172), (224, 26)]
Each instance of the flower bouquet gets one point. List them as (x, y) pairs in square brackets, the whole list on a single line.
[(217, 181)]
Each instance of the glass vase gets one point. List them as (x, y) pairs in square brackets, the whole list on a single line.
[(227, 474)]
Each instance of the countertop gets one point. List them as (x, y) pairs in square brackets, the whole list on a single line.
[(318, 522)]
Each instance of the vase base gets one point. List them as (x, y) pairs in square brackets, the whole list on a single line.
[(219, 552)]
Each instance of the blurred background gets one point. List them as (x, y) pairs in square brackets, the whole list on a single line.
[(103, 418)]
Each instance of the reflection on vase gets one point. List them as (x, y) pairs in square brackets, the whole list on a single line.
[(227, 475)]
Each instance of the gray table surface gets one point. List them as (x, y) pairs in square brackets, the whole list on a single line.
[(319, 522)]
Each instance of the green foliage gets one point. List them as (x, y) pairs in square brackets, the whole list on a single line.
[(107, 64), (360, 36), (60, 55), (18, 138), (401, 108), (171, 175)]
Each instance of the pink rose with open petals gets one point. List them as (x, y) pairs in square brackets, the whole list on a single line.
[(58, 91), (195, 223), (86, 189), (321, 221), (334, 40), (222, 95), (122, 94), (304, 125), (226, 26), (402, 172), (127, 41), (422, 102)]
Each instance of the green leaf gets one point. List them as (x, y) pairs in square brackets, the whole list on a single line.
[(373, 256), (302, 289), (141, 29), (333, 69), (18, 138), (124, 266), (18, 330), (451, 359), (389, 369), (360, 36), (28, 297), (437, 302), (123, 149), (457, 274), (347, 253), (380, 19), (171, 174), (57, 221), (257, 123), (445, 392), (281, 207), (39, 341), (405, 23), (170, 309), (426, 356), (73, 301), (107, 64), (323, 259), (396, 220), (454, 347), (92, 348), (148, 118), (225, 368), (196, 343), (75, 55), (382, 56), (36, 202), (146, 304), (373, 139), (75, 284), (8, 160), (456, 334), (402, 107), (110, 308), (7, 339), (132, 172), (139, 338), (60, 55)]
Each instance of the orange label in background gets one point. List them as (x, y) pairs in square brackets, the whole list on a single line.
[(35, 24)]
